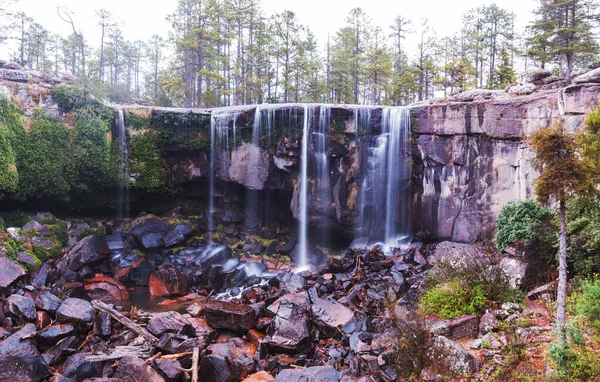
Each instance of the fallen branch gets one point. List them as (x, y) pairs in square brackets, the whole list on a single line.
[(125, 321), (194, 368), (176, 356), (120, 352)]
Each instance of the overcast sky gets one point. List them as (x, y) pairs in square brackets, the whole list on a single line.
[(142, 18)]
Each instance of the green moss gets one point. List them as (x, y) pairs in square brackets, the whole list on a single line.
[(189, 131), (452, 299), (59, 231), (146, 164), (136, 122), (40, 252)]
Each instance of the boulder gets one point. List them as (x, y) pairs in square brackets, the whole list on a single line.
[(239, 352), (449, 358), (331, 316), (9, 271), (35, 226), (488, 323), (311, 374), (466, 326), (227, 315), (169, 322), (22, 306), (16, 339), (476, 94), (134, 369), (290, 329), (522, 89), (105, 289), (48, 302), (52, 334), (593, 76), (149, 231), (168, 281), (77, 312), (177, 235), (169, 368), (23, 364), (57, 353), (16, 76), (458, 254), (515, 269), (215, 368), (87, 251), (534, 75), (78, 368)]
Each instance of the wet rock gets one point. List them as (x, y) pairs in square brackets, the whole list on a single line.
[(261, 376), (239, 352), (77, 312), (311, 374), (21, 306), (177, 343), (34, 226), (214, 368), (169, 368), (105, 289), (9, 271), (169, 322), (23, 364), (202, 328), (134, 369), (168, 281), (250, 166), (78, 368), (149, 231), (488, 323), (292, 282), (41, 276), (52, 334), (16, 340), (103, 325), (466, 326), (231, 216), (177, 235), (226, 315), (55, 355), (331, 316), (42, 320), (289, 331), (88, 251), (141, 269), (450, 358)]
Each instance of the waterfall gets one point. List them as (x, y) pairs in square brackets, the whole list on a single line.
[(321, 159), (123, 192), (383, 213), (303, 195)]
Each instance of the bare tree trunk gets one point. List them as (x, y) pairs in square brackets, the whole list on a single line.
[(561, 294)]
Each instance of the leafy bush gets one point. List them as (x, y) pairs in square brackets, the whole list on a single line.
[(453, 299), (519, 221), (583, 227), (16, 218), (587, 303), (574, 361), (413, 336)]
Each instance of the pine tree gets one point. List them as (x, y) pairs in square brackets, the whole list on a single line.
[(563, 30), (504, 73)]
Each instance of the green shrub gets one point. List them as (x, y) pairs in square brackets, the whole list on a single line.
[(16, 218), (453, 299), (519, 221), (146, 163), (40, 251), (583, 228), (588, 302), (574, 360), (59, 231)]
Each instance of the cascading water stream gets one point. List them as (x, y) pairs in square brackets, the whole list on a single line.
[(123, 192), (303, 194)]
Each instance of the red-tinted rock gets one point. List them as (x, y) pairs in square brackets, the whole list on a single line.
[(42, 320), (261, 376), (105, 289), (239, 352), (227, 315), (290, 329), (202, 328), (168, 281)]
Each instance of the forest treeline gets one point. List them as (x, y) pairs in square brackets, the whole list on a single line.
[(228, 52)]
